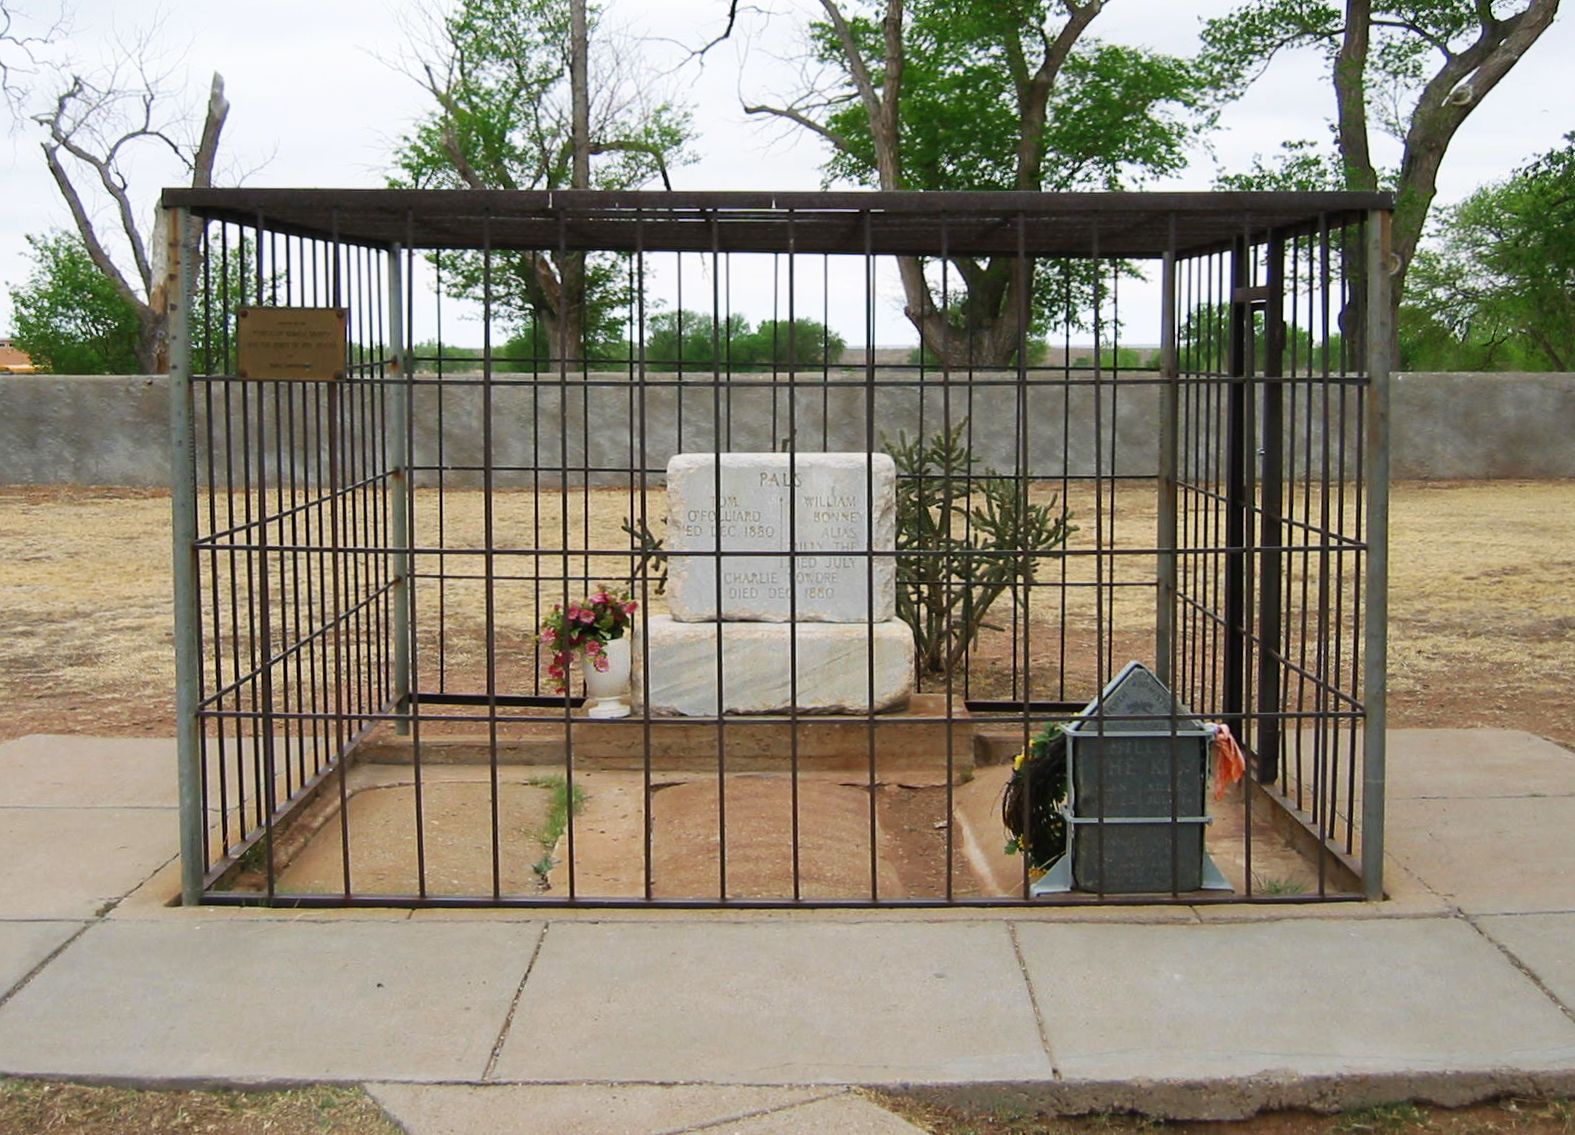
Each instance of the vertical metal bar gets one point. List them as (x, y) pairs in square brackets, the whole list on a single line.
[(1169, 413), (1271, 540), (410, 646), (794, 819), (337, 475), (262, 601), (489, 558), (564, 546), (1102, 663), (1236, 503), (869, 538), (399, 371), (641, 376), (1379, 349), (945, 571), (721, 561), (183, 504), (215, 606), (1022, 285)]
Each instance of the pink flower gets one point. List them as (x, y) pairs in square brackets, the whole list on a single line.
[(574, 611), (593, 647), (587, 616), (630, 607), (601, 664), (555, 670), (549, 636)]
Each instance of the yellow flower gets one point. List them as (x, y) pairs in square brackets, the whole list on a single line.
[(1017, 761)]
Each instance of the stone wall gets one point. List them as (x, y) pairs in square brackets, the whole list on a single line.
[(114, 430)]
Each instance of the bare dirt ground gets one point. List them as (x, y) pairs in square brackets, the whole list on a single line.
[(1482, 607)]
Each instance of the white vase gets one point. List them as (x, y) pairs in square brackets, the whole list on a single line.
[(605, 689)]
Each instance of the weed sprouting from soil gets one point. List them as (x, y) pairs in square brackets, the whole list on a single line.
[(557, 821)]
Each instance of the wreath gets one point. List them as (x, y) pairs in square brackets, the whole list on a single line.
[(1032, 802)]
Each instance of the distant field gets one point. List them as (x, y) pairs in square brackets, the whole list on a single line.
[(1482, 609)]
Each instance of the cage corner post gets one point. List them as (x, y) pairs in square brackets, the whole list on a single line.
[(400, 376), (1379, 352), (181, 283)]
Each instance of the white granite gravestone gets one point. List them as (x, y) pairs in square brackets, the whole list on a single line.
[(839, 507), (833, 664), (805, 632)]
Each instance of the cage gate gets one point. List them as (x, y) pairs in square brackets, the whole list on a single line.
[(972, 536)]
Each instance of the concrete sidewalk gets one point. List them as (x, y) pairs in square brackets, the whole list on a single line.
[(1459, 987)]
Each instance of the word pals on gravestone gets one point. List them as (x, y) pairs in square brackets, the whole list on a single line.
[(838, 507)]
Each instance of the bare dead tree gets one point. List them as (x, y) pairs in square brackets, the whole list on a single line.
[(92, 127), (19, 53)]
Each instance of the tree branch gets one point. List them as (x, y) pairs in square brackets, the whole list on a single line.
[(60, 134), (1036, 98), (208, 142), (881, 112), (732, 19), (1448, 100), (85, 230), (23, 45), (1350, 93), (803, 120), (633, 147), (1442, 46)]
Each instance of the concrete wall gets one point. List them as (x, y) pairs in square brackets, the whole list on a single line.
[(114, 430)]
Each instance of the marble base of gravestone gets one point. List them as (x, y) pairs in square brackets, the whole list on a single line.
[(840, 507), (833, 664)]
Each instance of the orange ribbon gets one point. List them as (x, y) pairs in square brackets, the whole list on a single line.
[(1229, 763)]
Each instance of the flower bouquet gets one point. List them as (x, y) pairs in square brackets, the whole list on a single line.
[(587, 628)]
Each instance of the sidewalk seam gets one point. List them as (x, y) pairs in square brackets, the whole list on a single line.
[(1527, 971), (1033, 1001), (26, 978), (508, 1020), (753, 1113)]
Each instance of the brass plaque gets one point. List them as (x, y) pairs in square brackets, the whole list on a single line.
[(291, 342)]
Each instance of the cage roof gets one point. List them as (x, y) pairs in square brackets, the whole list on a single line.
[(1137, 225)]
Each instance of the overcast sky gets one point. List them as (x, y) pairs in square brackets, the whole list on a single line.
[(316, 102)]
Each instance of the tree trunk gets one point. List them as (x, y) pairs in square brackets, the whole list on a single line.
[(564, 335), (992, 327), (153, 347)]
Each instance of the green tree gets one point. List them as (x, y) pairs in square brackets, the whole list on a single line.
[(69, 316), (1301, 166), (990, 95), (499, 73), (1413, 69), (1497, 287), (691, 338)]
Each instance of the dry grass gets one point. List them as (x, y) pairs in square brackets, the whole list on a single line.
[(30, 1107), (1482, 580), (933, 1111)]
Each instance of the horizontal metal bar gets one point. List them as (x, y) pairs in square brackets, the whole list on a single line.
[(465, 902)]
